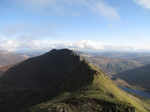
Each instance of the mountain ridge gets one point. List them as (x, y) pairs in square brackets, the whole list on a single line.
[(47, 77)]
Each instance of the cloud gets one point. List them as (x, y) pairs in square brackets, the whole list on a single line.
[(28, 32), (78, 45), (46, 45), (143, 3), (8, 44), (70, 7), (103, 9)]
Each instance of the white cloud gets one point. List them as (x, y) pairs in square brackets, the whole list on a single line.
[(46, 45), (103, 9), (143, 3), (8, 44), (83, 44), (79, 45), (70, 7)]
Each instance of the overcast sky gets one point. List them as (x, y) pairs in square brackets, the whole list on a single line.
[(77, 24)]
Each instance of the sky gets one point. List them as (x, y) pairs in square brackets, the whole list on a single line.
[(94, 25)]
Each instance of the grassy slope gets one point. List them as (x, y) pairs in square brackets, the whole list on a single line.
[(120, 95), (102, 89)]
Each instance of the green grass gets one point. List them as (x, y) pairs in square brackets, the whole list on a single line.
[(102, 89)]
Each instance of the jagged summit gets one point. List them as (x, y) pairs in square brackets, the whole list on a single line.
[(61, 53), (43, 70), (54, 51)]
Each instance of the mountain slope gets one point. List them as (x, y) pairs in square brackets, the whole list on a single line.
[(142, 60), (8, 58), (61, 79), (111, 65), (122, 55), (137, 77), (42, 70)]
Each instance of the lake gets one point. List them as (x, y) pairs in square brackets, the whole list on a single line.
[(138, 92)]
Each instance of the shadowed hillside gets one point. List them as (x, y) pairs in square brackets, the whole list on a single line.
[(61, 80), (137, 77)]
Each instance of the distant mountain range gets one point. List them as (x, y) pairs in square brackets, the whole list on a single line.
[(61, 81), (115, 62), (112, 66), (122, 55), (8, 58)]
